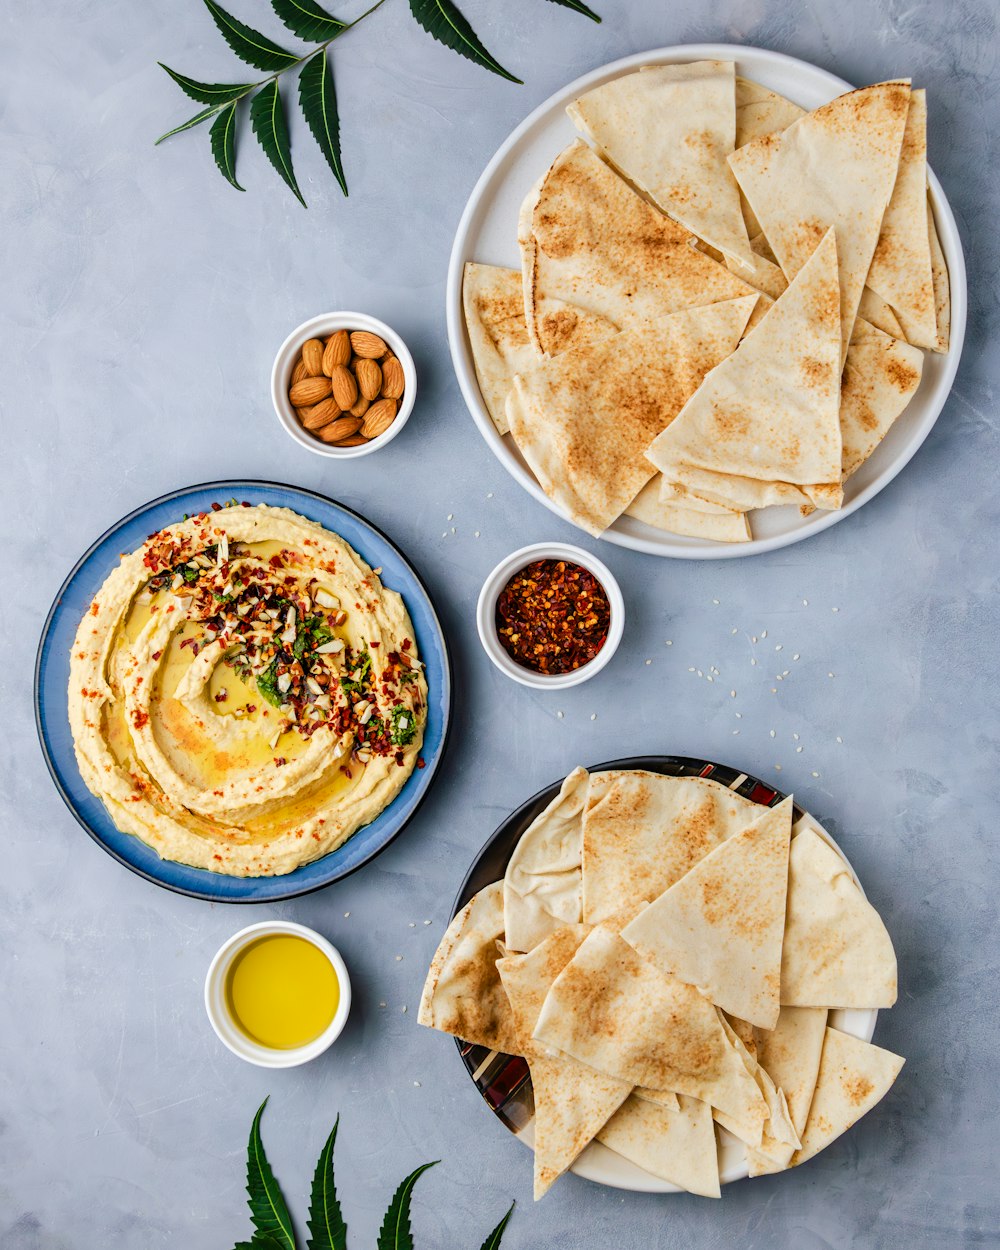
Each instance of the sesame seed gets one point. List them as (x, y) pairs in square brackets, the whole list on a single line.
[(403, 1009), (795, 656), (739, 715), (346, 914), (700, 673), (450, 516), (778, 677), (593, 716), (772, 733), (815, 774), (735, 732), (476, 534), (560, 715), (413, 924), (795, 737), (715, 601), (383, 1004), (754, 663), (829, 674), (763, 633), (753, 638), (732, 694), (445, 534), (710, 677), (785, 672), (649, 661), (839, 739), (777, 768), (690, 670), (774, 689), (416, 1084), (805, 603), (453, 529), (426, 922), (399, 959), (668, 643), (835, 609), (798, 750), (777, 646), (734, 630), (489, 495)]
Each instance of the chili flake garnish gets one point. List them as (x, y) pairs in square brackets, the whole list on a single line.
[(553, 617)]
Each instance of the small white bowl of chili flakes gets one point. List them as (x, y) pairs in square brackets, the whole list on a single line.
[(550, 616)]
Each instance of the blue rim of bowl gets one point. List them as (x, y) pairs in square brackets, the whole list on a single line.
[(226, 488), (504, 1080)]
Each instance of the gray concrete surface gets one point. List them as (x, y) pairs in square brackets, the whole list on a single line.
[(142, 302)]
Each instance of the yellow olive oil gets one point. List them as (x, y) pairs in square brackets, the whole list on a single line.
[(282, 991)]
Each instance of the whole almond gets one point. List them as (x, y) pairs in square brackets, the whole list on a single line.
[(299, 372), (379, 417), (320, 414), (345, 388), (309, 391), (393, 381), (354, 441), (337, 351), (367, 345), (312, 357), (360, 408), (369, 377), (340, 429)]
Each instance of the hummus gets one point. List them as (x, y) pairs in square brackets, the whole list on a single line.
[(244, 693)]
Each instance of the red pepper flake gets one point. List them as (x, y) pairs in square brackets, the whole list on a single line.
[(421, 762), (216, 507), (157, 654), (140, 719), (553, 617), (279, 761)]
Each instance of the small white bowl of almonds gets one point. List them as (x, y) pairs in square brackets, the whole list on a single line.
[(343, 384)]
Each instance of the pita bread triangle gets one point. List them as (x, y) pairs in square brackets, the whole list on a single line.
[(643, 831), (764, 426), (462, 994), (541, 886), (669, 129), (572, 1101), (678, 1145), (942, 284), (719, 524), (494, 316), (833, 167), (836, 952), (612, 1010), (790, 1054), (587, 238), (583, 420), (853, 1077), (901, 270), (720, 927)]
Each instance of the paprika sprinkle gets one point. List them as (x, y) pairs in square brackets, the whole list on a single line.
[(553, 617)]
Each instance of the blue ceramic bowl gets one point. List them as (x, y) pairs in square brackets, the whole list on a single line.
[(52, 682)]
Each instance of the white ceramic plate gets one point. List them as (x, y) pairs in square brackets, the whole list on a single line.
[(597, 1162), (488, 233)]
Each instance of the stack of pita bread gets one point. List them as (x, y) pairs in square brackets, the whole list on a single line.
[(666, 954), (723, 303)]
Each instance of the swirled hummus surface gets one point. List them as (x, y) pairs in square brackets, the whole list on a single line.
[(245, 693)]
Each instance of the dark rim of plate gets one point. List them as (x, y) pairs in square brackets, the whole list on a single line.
[(247, 486), (504, 1080)]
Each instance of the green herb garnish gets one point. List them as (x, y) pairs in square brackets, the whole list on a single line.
[(399, 734), (363, 667), (272, 1221), (267, 684)]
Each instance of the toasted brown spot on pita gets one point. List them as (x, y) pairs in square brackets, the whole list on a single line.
[(901, 375), (858, 1089)]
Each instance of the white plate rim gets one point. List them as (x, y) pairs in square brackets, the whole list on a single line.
[(749, 59)]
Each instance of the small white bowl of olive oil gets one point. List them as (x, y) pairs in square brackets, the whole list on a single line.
[(278, 994)]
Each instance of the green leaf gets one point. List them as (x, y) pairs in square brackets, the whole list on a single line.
[(306, 19), (192, 121), (493, 1240), (249, 44), (268, 122), (446, 24), (208, 92), (318, 101), (223, 139), (577, 7), (327, 1230), (395, 1231), (268, 1210)]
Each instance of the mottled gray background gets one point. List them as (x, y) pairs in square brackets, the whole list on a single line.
[(142, 302)]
